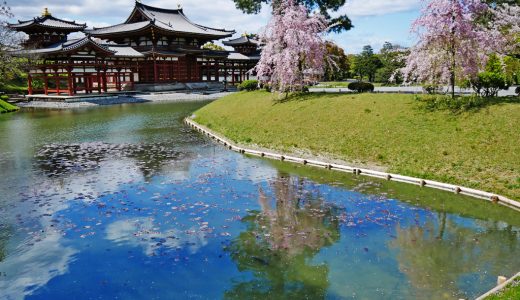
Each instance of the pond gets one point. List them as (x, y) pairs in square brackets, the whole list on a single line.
[(127, 202)]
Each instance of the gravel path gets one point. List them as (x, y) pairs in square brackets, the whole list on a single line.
[(159, 97)]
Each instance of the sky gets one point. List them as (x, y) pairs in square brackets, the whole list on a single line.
[(375, 21)]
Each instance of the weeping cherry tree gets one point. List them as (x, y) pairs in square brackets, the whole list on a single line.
[(452, 45), (294, 49)]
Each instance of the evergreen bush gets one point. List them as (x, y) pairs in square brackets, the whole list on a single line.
[(361, 87)]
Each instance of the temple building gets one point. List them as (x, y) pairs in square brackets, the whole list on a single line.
[(154, 47)]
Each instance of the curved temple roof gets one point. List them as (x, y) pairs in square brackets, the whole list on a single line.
[(172, 20), (48, 22), (74, 45), (243, 40)]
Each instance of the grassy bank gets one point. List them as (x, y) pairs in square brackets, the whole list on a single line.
[(511, 292), (7, 107), (479, 149)]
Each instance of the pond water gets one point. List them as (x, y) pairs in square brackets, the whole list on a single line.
[(125, 202)]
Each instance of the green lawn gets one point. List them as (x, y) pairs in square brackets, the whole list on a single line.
[(479, 149), (511, 292), (7, 107)]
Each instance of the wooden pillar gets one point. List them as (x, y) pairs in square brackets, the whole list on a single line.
[(70, 83), (98, 80), (29, 84), (74, 84), (233, 73), (57, 81), (132, 83), (118, 80), (155, 73), (208, 71), (105, 81), (45, 82), (85, 80), (217, 75), (225, 71)]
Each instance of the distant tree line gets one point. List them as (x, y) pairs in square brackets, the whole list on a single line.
[(384, 67), (366, 66)]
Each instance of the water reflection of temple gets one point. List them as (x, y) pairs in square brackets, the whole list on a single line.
[(293, 225)]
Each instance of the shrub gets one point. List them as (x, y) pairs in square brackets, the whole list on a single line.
[(248, 85), (4, 97), (457, 104), (361, 87), (517, 90), (487, 84), (432, 89)]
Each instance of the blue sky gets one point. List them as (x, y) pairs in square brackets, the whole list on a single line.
[(375, 21)]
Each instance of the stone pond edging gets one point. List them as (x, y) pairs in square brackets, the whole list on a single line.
[(499, 287), (359, 171)]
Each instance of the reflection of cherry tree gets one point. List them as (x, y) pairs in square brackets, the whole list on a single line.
[(4, 238), (435, 258), (280, 242)]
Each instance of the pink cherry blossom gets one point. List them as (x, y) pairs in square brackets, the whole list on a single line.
[(294, 48), (452, 44)]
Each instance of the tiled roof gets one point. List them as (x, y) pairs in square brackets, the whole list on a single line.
[(164, 53), (49, 22), (172, 20), (241, 41), (119, 28), (124, 51), (63, 48), (238, 56)]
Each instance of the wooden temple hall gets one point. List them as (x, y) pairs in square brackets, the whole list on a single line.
[(153, 48)]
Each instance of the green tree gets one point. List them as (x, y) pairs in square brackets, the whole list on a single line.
[(366, 64), (337, 24), (493, 79), (213, 46), (11, 68), (512, 69), (392, 58), (339, 69)]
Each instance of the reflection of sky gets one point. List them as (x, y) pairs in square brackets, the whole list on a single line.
[(143, 233), (33, 267), (111, 232)]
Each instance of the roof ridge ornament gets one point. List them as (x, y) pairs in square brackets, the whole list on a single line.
[(46, 12)]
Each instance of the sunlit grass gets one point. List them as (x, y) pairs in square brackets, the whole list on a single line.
[(479, 149), (7, 107)]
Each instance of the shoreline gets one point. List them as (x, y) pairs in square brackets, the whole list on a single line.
[(491, 197), (144, 98)]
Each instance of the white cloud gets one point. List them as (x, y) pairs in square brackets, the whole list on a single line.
[(217, 13), (35, 266), (142, 232)]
